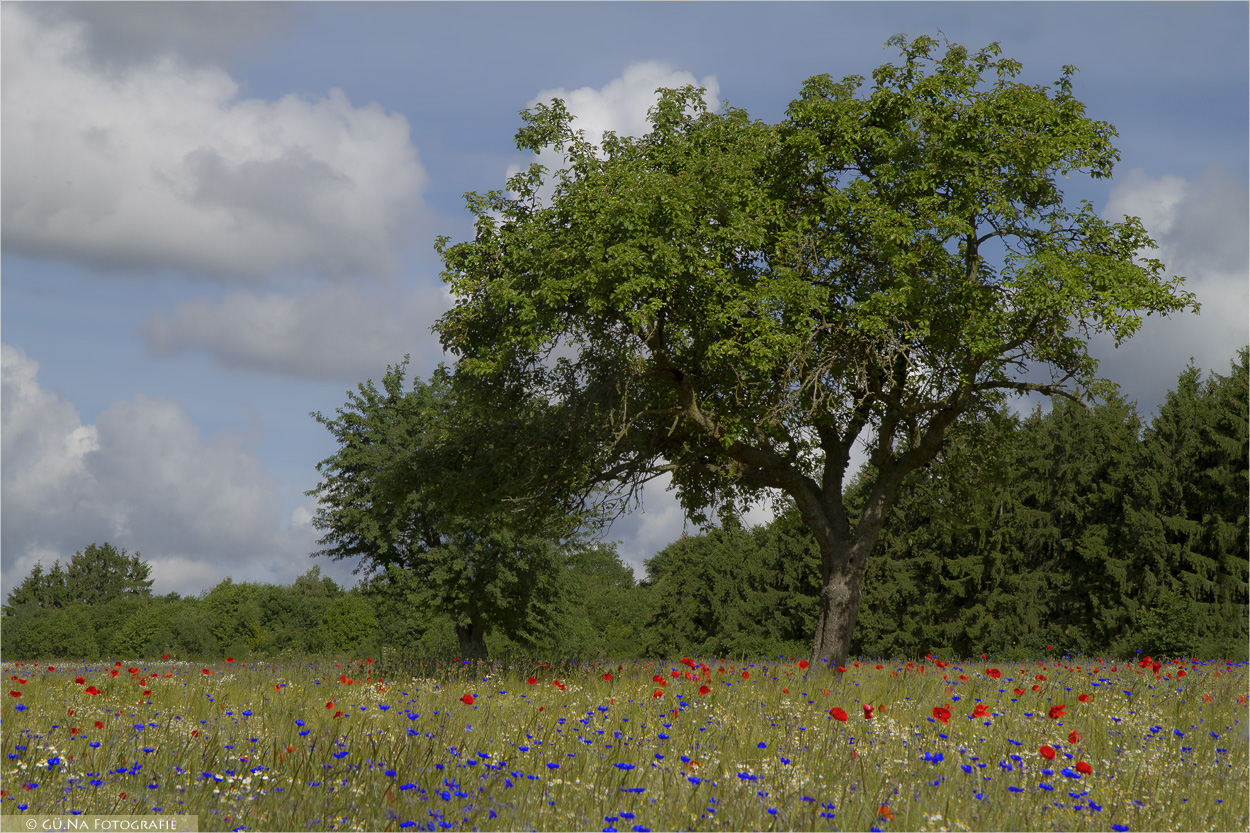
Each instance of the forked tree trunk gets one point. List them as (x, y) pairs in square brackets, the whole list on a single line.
[(840, 594), (843, 562), (472, 636)]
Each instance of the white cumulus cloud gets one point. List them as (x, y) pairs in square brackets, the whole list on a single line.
[(621, 105), (162, 165), (341, 333), (143, 478)]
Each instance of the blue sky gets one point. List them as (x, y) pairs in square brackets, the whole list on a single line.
[(218, 218)]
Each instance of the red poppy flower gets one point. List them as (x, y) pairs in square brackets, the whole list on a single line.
[(1047, 752), (941, 714), (687, 661), (1075, 737), (608, 676), (147, 693), (1180, 673), (118, 664), (99, 724), (80, 680), (15, 694), (1018, 691), (704, 689), (885, 813), (1084, 698), (229, 659), (657, 694), (204, 671), (1037, 687), (981, 710), (1084, 768), (837, 714), (329, 705), (164, 656), (467, 699), (532, 680), (802, 664), (92, 690), (993, 673), (1055, 712), (867, 712), (115, 672), (1041, 677), (746, 675)]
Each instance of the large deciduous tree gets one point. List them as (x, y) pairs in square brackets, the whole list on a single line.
[(738, 303)]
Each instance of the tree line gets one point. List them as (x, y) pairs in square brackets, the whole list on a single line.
[(1073, 530)]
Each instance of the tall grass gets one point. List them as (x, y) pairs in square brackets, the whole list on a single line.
[(589, 746)]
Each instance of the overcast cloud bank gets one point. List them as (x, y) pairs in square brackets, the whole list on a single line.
[(162, 165), (143, 478)]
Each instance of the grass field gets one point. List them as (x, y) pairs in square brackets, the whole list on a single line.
[(1067, 744)]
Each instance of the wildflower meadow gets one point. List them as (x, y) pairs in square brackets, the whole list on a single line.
[(1079, 743)]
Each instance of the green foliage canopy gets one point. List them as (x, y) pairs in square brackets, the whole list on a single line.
[(736, 303)]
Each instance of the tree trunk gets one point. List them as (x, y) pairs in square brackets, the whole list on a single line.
[(842, 575), (472, 636)]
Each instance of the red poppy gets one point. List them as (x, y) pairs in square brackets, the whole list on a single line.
[(1084, 698), (1047, 752), (164, 656), (1180, 673), (837, 714), (1084, 768), (118, 664), (657, 694), (941, 714), (687, 661), (329, 705), (981, 710), (532, 680), (147, 693), (467, 699), (1018, 691), (1037, 687), (608, 676), (92, 690), (841, 670), (115, 672), (746, 675), (1055, 712), (704, 689), (867, 712), (204, 671), (99, 724), (229, 659), (802, 664), (80, 680), (1075, 737), (1041, 677), (885, 813), (15, 694)]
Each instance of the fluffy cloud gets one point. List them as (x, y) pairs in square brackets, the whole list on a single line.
[(142, 478), (338, 333), (621, 105), (1200, 230), (161, 165)]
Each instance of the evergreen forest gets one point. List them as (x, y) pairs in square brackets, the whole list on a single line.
[(1068, 530)]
